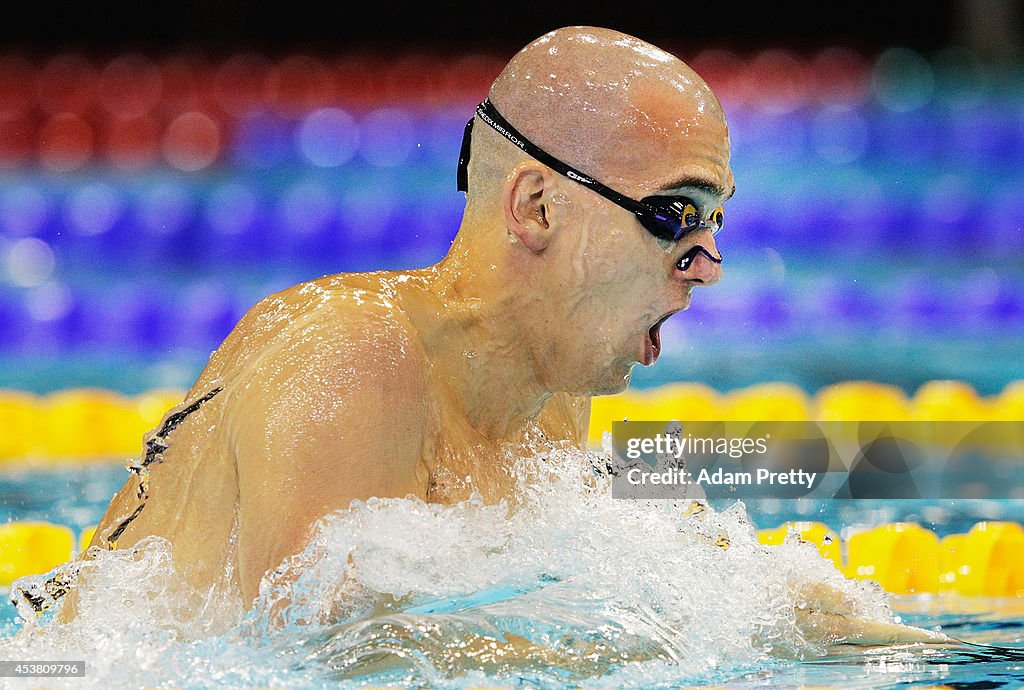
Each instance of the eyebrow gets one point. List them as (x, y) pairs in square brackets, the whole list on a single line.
[(699, 183)]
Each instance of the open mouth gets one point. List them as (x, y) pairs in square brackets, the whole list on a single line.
[(653, 344)]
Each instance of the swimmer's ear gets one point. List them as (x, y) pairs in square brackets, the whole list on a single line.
[(525, 198)]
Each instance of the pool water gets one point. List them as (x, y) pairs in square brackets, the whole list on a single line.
[(403, 593), (851, 215)]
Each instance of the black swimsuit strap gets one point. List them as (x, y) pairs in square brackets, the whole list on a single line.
[(60, 583)]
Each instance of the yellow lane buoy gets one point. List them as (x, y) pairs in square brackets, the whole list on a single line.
[(606, 410), (818, 533), (903, 557), (768, 402), (862, 401), (988, 560), (90, 424), (948, 401), (681, 402), (676, 401), (85, 538), (1008, 406), (31, 548), (20, 425)]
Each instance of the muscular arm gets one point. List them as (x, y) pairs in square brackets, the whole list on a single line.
[(336, 413)]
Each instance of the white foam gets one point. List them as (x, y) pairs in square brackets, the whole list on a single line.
[(405, 589)]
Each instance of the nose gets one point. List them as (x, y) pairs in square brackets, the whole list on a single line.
[(702, 269)]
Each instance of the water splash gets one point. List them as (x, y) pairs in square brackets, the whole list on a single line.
[(561, 585)]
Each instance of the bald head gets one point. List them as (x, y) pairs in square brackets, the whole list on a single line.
[(577, 277), (602, 101)]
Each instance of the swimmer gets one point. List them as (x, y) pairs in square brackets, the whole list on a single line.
[(596, 171)]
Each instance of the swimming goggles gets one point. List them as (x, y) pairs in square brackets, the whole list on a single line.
[(665, 217)]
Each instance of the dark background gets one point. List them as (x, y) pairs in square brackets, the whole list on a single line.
[(877, 234), (501, 27)]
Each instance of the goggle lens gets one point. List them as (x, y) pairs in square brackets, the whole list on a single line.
[(674, 217)]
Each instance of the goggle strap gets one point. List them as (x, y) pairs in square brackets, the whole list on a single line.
[(486, 111), (462, 175), (489, 114)]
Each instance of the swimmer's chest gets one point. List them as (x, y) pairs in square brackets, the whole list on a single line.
[(457, 468), (459, 461)]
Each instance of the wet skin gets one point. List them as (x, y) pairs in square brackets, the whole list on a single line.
[(415, 383), (408, 383), (328, 396)]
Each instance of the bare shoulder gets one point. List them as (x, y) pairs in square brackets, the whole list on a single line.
[(341, 387), (346, 314), (360, 325), (343, 343), (333, 409)]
